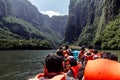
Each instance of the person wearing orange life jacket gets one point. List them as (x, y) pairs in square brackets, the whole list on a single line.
[(52, 69), (66, 51), (67, 48), (81, 54), (102, 69), (96, 54), (73, 72), (66, 66)]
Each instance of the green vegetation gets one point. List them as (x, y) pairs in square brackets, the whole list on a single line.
[(12, 27), (111, 35), (18, 34), (106, 37), (17, 44), (20, 20), (8, 35), (22, 28), (93, 23)]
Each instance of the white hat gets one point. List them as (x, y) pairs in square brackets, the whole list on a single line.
[(70, 57)]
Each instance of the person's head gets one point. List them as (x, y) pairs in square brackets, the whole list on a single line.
[(73, 62), (95, 51), (110, 55), (90, 47), (59, 53), (60, 48), (68, 59), (66, 47), (83, 48), (53, 63)]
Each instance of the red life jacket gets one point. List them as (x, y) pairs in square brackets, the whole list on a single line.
[(75, 70), (81, 54), (40, 75), (89, 57), (102, 69)]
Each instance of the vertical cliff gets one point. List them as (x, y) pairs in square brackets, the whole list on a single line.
[(88, 19), (21, 18)]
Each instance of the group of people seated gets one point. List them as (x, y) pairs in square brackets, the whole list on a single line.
[(91, 65)]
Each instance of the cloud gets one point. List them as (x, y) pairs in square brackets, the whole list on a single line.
[(51, 13)]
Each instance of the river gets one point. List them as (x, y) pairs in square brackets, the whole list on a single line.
[(23, 64)]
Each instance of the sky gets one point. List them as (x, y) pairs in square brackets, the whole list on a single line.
[(52, 7)]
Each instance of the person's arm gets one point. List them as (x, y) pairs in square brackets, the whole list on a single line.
[(58, 77)]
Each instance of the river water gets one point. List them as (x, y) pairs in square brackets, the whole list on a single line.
[(23, 64)]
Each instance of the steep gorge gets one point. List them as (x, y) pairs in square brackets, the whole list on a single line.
[(88, 20), (22, 20)]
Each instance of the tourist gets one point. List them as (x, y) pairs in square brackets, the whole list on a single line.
[(74, 68), (52, 69)]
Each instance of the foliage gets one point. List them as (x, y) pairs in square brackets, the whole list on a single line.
[(15, 44), (21, 27), (86, 36), (87, 21), (21, 18), (8, 35), (111, 35), (10, 41)]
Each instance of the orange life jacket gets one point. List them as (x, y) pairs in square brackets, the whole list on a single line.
[(102, 69), (75, 70)]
